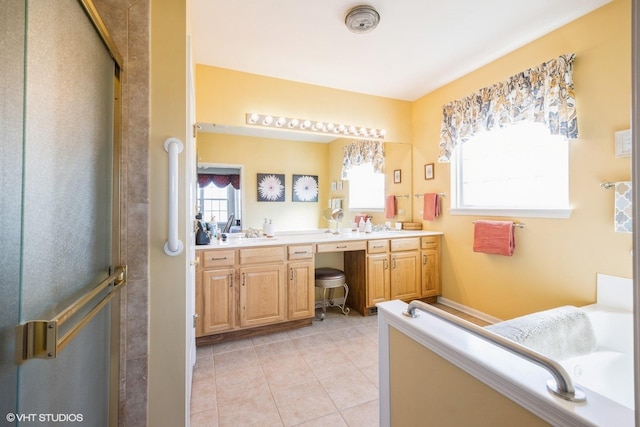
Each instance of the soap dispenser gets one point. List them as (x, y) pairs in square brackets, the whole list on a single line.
[(361, 224), (367, 226), (269, 229)]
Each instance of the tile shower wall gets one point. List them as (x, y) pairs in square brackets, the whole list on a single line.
[(128, 22)]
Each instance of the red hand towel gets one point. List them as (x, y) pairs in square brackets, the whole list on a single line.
[(431, 209), (494, 237), (390, 206)]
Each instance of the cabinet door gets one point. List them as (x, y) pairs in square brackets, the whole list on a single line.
[(377, 279), (431, 273), (262, 295), (301, 290), (405, 275), (217, 306)]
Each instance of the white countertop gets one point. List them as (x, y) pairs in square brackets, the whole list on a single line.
[(237, 240)]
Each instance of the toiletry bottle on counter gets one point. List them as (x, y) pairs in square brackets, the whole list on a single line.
[(361, 225), (269, 229), (367, 226)]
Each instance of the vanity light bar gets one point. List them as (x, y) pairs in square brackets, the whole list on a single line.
[(329, 128)]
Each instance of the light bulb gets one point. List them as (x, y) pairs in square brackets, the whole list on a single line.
[(293, 123), (305, 124), (281, 121), (253, 118), (330, 127), (352, 129), (267, 121)]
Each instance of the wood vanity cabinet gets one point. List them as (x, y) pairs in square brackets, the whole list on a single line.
[(244, 291), (239, 290), (378, 278), (262, 285), (431, 283), (262, 295), (215, 292), (301, 282), (404, 268)]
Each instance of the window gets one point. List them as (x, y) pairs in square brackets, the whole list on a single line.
[(214, 201), (366, 188), (520, 169)]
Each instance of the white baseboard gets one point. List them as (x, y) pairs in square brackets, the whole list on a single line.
[(468, 310)]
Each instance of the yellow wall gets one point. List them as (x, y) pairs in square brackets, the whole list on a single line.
[(168, 274), (225, 96), (262, 155), (265, 155), (556, 260), (397, 157)]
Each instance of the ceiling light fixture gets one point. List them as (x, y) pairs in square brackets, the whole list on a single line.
[(313, 126), (362, 19)]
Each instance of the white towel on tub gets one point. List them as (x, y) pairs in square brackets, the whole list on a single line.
[(558, 333)]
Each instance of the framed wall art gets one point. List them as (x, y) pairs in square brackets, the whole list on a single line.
[(397, 176), (305, 188), (271, 187), (428, 171)]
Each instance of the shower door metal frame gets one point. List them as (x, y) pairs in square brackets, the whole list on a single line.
[(39, 338)]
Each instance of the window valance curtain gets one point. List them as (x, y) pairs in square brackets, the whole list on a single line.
[(220, 181), (361, 152), (542, 94)]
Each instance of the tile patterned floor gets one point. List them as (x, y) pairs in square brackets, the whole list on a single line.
[(322, 375)]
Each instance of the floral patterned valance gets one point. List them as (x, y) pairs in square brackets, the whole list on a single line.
[(360, 152), (542, 94), (220, 181)]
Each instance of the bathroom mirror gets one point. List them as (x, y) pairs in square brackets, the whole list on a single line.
[(333, 214), (285, 153), (219, 195)]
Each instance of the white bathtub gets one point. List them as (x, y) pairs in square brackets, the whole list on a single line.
[(606, 375), (609, 370)]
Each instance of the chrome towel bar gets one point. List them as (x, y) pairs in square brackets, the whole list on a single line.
[(562, 387), (515, 224), (439, 194)]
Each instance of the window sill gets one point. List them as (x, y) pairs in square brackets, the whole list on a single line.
[(526, 213)]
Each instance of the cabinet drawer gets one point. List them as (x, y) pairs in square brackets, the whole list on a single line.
[(218, 258), (261, 255), (300, 252), (405, 244), (342, 246), (430, 242), (377, 246)]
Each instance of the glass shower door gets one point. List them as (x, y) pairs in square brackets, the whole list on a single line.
[(57, 218)]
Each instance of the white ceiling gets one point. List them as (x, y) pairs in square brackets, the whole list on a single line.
[(418, 46)]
